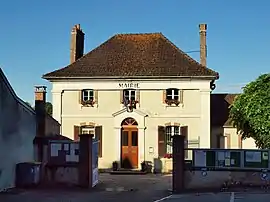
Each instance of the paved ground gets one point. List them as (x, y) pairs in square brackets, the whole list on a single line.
[(219, 197), (131, 188)]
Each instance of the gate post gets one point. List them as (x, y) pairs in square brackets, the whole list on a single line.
[(178, 163), (85, 160)]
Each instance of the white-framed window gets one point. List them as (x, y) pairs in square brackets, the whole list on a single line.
[(129, 95), (88, 130), (87, 95), (170, 131), (172, 94)]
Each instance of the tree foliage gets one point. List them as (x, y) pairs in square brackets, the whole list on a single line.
[(48, 108), (250, 112), (28, 104)]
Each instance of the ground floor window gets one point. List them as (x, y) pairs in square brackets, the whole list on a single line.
[(96, 131), (170, 131), (88, 130)]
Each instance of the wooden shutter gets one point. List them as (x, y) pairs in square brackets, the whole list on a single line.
[(80, 96), (98, 135), (138, 96), (121, 96), (184, 132), (181, 94), (240, 142), (161, 141), (96, 96), (76, 133), (164, 96)]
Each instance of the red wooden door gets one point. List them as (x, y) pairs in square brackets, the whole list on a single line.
[(129, 147)]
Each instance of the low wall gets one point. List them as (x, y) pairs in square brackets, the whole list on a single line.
[(62, 175), (217, 179)]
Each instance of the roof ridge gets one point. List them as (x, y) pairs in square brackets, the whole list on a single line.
[(139, 33)]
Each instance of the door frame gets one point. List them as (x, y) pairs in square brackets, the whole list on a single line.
[(129, 128)]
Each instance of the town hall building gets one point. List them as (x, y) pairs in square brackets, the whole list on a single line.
[(133, 93)]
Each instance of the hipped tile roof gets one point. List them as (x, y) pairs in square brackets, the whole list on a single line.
[(134, 55)]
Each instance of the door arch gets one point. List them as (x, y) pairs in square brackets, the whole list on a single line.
[(129, 143)]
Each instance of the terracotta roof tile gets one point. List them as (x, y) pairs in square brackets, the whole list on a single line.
[(134, 55)]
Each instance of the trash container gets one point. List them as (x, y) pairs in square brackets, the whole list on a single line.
[(28, 174)]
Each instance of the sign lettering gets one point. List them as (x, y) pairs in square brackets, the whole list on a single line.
[(129, 85)]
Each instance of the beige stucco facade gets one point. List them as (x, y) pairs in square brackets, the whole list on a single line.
[(150, 112), (230, 139)]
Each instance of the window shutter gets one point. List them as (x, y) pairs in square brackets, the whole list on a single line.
[(76, 133), (161, 141), (181, 98), (98, 135), (164, 96), (121, 96), (96, 96), (138, 96), (240, 142), (80, 96), (184, 132)]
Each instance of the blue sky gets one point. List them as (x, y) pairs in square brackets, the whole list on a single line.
[(35, 35)]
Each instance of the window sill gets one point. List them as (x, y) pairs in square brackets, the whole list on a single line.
[(137, 106), (173, 105), (88, 106)]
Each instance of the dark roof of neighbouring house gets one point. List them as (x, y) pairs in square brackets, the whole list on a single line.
[(134, 55), (220, 104)]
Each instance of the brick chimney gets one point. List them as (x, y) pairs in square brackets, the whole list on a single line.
[(40, 108), (203, 47), (77, 43)]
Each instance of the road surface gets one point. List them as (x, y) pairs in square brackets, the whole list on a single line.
[(219, 197)]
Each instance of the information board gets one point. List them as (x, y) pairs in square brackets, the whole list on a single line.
[(231, 158)]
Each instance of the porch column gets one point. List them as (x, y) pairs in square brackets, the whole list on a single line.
[(141, 146), (117, 133)]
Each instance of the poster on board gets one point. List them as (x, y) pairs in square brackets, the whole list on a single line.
[(200, 158), (254, 156)]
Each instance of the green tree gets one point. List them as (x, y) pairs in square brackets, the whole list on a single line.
[(250, 112), (48, 108), (28, 104)]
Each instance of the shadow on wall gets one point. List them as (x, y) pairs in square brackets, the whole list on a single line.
[(18, 129)]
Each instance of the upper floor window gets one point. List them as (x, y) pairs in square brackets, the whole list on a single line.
[(172, 94), (129, 95), (87, 95)]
